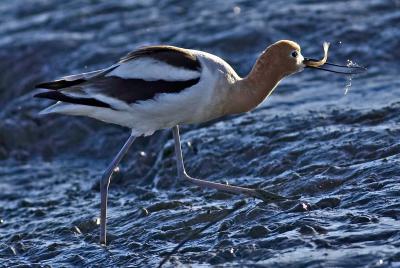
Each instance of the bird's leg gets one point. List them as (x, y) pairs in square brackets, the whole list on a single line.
[(257, 193), (178, 153), (105, 182)]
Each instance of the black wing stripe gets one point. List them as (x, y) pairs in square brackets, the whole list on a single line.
[(80, 79), (57, 95), (134, 90), (175, 56), (59, 84)]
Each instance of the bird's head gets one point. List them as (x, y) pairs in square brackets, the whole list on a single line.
[(285, 58), (279, 60)]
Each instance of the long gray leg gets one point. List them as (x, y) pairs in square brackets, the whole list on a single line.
[(105, 182), (207, 184)]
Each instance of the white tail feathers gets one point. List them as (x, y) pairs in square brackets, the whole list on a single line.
[(51, 109), (67, 108)]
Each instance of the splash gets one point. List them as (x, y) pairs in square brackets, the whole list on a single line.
[(350, 63)]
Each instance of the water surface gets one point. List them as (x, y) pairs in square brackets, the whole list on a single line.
[(339, 152)]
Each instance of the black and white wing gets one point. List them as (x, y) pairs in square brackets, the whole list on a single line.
[(139, 76)]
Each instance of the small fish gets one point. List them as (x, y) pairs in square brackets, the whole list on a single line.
[(317, 63), (332, 67)]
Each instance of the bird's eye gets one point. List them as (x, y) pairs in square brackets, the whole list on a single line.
[(295, 54)]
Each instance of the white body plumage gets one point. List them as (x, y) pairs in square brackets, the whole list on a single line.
[(200, 102)]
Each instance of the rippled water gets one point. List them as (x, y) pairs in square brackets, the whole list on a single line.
[(339, 152)]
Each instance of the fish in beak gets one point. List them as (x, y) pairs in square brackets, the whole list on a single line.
[(331, 67)]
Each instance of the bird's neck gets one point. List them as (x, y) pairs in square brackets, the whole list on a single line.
[(249, 92)]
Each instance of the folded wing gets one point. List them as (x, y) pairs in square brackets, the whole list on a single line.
[(139, 76)]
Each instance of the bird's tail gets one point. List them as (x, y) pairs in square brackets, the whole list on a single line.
[(68, 109), (60, 96), (51, 109), (58, 107), (71, 80), (67, 91)]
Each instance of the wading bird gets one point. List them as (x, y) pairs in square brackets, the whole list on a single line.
[(160, 87)]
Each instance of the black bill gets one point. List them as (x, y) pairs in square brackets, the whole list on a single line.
[(334, 68)]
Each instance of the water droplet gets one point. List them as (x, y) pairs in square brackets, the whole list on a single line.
[(350, 63), (348, 84), (144, 211), (77, 230)]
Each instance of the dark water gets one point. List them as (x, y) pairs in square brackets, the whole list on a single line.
[(339, 152)]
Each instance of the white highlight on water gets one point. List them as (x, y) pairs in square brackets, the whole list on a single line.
[(237, 10)]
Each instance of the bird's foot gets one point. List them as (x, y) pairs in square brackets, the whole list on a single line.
[(269, 197), (256, 193)]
